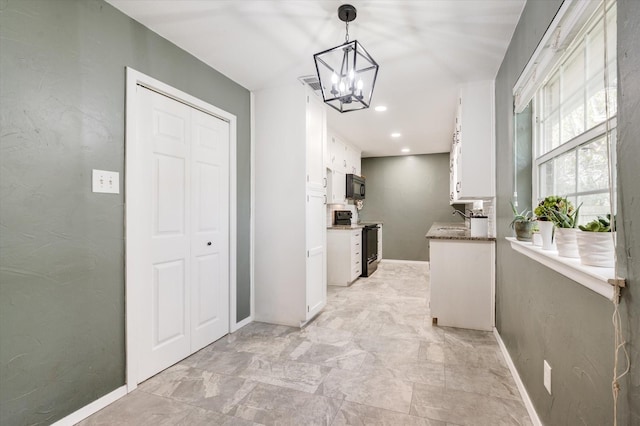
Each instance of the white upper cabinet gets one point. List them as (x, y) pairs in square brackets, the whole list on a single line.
[(315, 137), (343, 157), (337, 187), (353, 161), (473, 146)]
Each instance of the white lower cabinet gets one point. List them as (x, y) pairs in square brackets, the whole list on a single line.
[(462, 283), (344, 256)]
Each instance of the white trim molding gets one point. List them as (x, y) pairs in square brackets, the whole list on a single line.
[(516, 377), (592, 277), (134, 79), (92, 408), (568, 21)]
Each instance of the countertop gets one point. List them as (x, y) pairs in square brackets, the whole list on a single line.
[(354, 226), (453, 231), (349, 227)]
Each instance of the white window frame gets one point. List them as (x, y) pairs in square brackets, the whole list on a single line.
[(589, 135), (569, 24)]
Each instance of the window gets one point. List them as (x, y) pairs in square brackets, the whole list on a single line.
[(570, 150)]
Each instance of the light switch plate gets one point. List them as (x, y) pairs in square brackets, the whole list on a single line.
[(106, 181), (547, 376)]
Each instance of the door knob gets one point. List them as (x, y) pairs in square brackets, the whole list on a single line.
[(209, 243)]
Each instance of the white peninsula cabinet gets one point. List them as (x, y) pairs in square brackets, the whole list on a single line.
[(290, 211), (462, 276), (472, 156), (344, 259)]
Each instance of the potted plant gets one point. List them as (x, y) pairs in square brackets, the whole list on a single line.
[(596, 242), (544, 221), (536, 238), (522, 223), (565, 219)]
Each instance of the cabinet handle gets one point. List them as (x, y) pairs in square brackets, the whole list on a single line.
[(325, 199), (345, 163), (325, 182), (208, 243)]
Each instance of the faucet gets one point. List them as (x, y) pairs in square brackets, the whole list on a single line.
[(460, 213)]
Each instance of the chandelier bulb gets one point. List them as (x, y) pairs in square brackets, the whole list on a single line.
[(334, 78)]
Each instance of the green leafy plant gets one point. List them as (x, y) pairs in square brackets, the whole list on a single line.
[(552, 203), (601, 224), (524, 216), (563, 215)]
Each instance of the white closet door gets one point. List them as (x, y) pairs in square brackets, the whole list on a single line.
[(210, 229), (185, 190)]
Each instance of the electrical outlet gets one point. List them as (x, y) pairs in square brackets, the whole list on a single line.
[(547, 376), (106, 182)]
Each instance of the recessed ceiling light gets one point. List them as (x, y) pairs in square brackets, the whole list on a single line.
[(405, 150), (396, 135), (381, 108)]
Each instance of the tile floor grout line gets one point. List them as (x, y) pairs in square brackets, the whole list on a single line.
[(371, 355)]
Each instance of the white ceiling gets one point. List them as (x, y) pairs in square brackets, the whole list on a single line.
[(425, 49)]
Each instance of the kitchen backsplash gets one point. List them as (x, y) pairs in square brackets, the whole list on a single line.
[(332, 207), (488, 209)]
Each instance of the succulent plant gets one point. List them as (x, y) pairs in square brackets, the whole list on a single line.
[(601, 224), (552, 203), (524, 216)]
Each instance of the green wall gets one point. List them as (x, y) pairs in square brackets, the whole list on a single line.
[(628, 153), (62, 306), (408, 194), (540, 314)]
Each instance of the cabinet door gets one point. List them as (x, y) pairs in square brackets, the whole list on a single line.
[(316, 253), (337, 193), (462, 297), (316, 129), (356, 254), (476, 156), (339, 155), (353, 161), (332, 150)]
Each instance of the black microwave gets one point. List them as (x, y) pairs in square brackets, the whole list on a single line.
[(355, 187)]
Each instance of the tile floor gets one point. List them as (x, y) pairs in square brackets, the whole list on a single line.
[(371, 357)]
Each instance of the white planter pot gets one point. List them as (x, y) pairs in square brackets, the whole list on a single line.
[(536, 239), (566, 242), (596, 248), (546, 231)]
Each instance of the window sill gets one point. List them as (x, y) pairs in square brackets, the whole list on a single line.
[(592, 277)]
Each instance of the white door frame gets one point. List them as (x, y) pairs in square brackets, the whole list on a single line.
[(134, 219)]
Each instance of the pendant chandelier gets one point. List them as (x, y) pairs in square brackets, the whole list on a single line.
[(347, 73)]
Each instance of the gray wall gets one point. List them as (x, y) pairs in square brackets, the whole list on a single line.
[(541, 314), (408, 194), (628, 153), (62, 323)]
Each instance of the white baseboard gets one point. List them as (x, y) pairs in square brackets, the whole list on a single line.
[(420, 262), (523, 391), (94, 407), (237, 326), (99, 404)]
